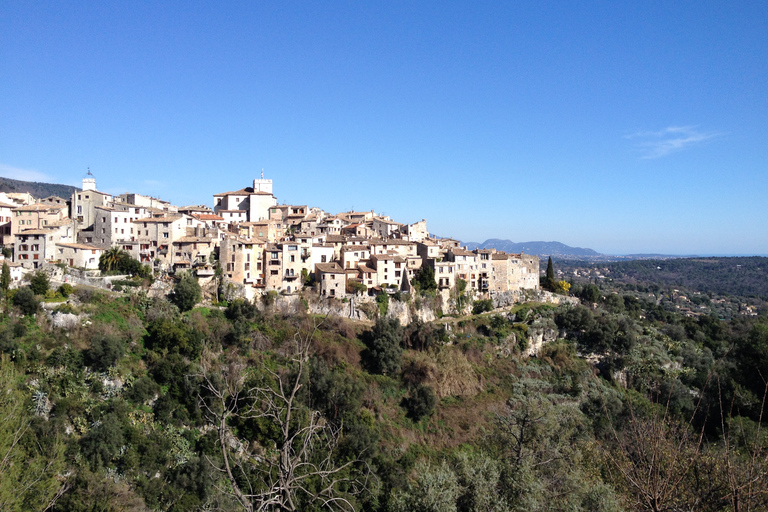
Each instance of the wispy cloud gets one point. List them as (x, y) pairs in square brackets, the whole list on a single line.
[(17, 173), (669, 140)]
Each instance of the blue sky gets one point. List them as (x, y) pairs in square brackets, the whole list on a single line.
[(621, 126)]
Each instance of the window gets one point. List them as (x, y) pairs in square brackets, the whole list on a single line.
[(323, 258)]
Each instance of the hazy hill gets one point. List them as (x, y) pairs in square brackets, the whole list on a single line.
[(539, 248), (39, 190)]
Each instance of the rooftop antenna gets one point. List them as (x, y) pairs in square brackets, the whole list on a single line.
[(262, 173)]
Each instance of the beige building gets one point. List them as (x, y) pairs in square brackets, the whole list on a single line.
[(84, 203), (384, 227), (7, 227), (331, 279), (242, 260), (247, 204), (79, 255), (465, 266), (38, 216)]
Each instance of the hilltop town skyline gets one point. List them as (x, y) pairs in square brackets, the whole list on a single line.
[(623, 128)]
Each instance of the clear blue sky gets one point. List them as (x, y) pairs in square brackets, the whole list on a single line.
[(620, 126)]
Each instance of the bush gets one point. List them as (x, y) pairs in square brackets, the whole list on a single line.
[(25, 300), (482, 306), (382, 300), (66, 290), (104, 352), (420, 403)]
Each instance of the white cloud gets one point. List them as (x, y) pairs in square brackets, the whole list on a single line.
[(16, 173), (669, 140)]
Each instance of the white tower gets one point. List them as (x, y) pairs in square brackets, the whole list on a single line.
[(89, 182), (262, 185)]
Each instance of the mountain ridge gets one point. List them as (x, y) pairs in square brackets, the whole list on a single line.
[(534, 247), (38, 189)]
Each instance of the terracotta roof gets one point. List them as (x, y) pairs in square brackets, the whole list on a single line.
[(329, 268), (462, 252), (58, 223), (37, 207), (207, 216), (193, 239), (241, 192), (170, 218), (200, 207), (80, 246), (336, 238), (385, 221), (365, 268), (33, 232), (4, 205)]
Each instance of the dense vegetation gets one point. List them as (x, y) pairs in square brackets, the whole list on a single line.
[(152, 404), (742, 276), (41, 190)]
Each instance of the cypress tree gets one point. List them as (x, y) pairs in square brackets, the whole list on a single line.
[(549, 281)]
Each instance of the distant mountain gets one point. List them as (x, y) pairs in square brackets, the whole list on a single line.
[(538, 248), (38, 190)]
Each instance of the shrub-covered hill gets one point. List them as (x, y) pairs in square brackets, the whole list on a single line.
[(38, 190), (137, 406)]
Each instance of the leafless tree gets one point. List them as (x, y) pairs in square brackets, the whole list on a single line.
[(300, 467)]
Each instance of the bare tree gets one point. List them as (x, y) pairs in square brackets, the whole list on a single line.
[(300, 468)]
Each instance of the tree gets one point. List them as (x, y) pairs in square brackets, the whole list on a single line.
[(40, 283), (186, 293), (298, 468), (425, 279), (110, 259), (5, 278), (549, 278), (383, 342)]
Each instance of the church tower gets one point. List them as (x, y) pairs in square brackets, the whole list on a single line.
[(89, 182)]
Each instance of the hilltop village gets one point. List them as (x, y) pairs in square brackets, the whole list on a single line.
[(260, 245)]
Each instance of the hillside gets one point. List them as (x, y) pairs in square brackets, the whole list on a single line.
[(123, 402), (38, 190), (538, 248)]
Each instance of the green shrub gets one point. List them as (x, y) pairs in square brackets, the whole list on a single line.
[(382, 300), (104, 352), (482, 306), (66, 290), (25, 300), (420, 403), (186, 293)]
